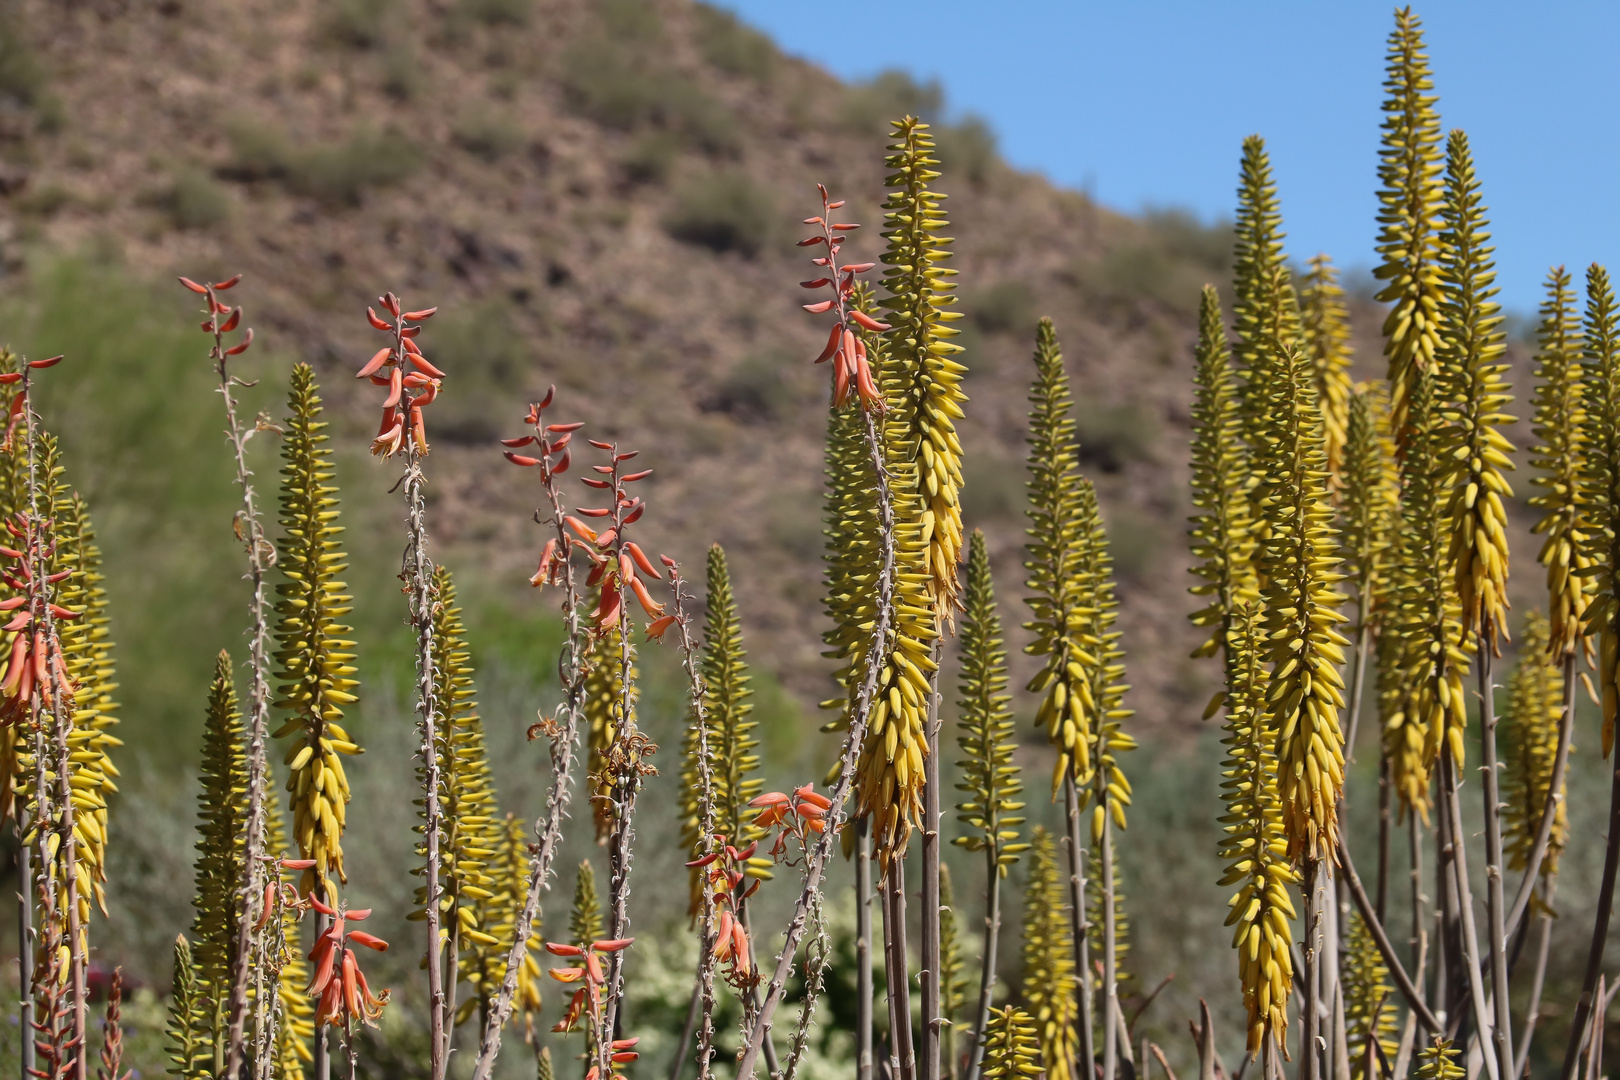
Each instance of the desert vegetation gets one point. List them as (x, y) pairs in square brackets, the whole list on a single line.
[(911, 897)]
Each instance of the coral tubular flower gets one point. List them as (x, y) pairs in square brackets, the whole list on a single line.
[(339, 984), (852, 370), (412, 381)]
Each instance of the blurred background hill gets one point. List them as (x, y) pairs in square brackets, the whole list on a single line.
[(601, 195)]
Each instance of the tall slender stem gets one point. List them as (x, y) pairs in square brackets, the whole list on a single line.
[(900, 969), (929, 1058), (571, 674), (1495, 901), (258, 700), (1465, 907), (1600, 929), (321, 1066), (1385, 823), (703, 991), (39, 531), (863, 950), (1081, 924), (1358, 680), (1410, 989), (1112, 1018), (419, 575), (987, 971), (25, 949), (1532, 1010), (1310, 1015), (1420, 933), (860, 713)]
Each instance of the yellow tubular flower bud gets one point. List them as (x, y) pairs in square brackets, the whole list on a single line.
[(1306, 653), (1560, 416), (295, 1035), (221, 821), (1438, 1061), (925, 392), (604, 689), (87, 654), (473, 833), (1100, 661), (1434, 651), (1475, 453), (1012, 1049), (1221, 531), (1253, 842), (1265, 305), (1369, 1002), (314, 658), (1409, 203), (989, 778), (1600, 484), (1054, 562), (1326, 322), (1048, 963)]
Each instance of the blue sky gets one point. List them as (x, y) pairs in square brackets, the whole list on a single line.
[(1146, 104)]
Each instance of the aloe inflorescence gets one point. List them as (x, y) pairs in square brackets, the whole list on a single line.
[(1560, 417), (313, 656), (1409, 208)]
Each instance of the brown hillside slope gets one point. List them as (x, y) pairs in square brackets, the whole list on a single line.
[(603, 195)]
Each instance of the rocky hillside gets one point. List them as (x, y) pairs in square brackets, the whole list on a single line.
[(602, 195)]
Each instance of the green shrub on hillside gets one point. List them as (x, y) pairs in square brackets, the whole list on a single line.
[(726, 211)]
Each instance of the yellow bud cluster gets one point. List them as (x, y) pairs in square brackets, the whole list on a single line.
[(603, 705), (1253, 842), (1431, 709), (924, 394), (1048, 962), (472, 833), (733, 763), (1370, 498), (1529, 745), (1221, 531), (1369, 1002), (890, 777), (1409, 204), (1600, 486), (295, 1034), (1326, 323), (87, 655), (1438, 1061), (1101, 661), (484, 965), (1265, 305), (313, 656), (1011, 1048), (1474, 450), (1560, 415), (1054, 552), (989, 776), (221, 843), (1298, 563)]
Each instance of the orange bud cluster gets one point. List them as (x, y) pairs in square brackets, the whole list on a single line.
[(590, 974), (338, 981), (411, 380), (19, 404), (725, 873), (34, 655), (846, 350), (800, 815), (617, 563)]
